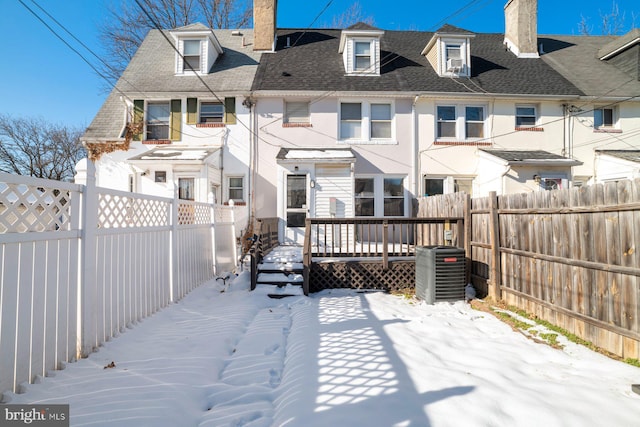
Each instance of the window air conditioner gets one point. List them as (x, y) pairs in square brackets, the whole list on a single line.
[(454, 64)]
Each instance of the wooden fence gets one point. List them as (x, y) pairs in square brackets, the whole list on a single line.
[(568, 256)]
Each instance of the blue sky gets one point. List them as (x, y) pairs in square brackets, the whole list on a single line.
[(41, 77)]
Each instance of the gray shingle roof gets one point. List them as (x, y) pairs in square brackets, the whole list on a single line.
[(151, 73), (576, 58), (313, 63), (530, 156), (629, 155)]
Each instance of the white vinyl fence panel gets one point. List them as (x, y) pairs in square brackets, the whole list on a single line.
[(39, 252), (79, 264)]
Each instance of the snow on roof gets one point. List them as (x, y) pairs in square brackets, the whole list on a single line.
[(175, 154), (319, 153)]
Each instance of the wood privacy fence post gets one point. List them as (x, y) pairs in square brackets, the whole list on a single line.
[(494, 236), (385, 245), (87, 292), (306, 256), (466, 213)]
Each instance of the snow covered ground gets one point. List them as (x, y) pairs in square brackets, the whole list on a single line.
[(336, 358)]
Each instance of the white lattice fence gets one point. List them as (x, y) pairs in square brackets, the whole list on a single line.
[(195, 245), (39, 260), (66, 287), (132, 275)]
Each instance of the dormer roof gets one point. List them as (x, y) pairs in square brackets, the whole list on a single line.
[(197, 30), (620, 44), (448, 31), (359, 29)]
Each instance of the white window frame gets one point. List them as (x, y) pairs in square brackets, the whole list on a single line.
[(153, 121), (450, 184), (379, 196), (211, 117), (483, 121), (463, 45), (298, 107), (349, 121), (461, 122), (230, 187), (191, 179), (357, 55), (454, 121), (560, 179), (614, 117), (366, 121), (534, 116), (185, 67), (373, 196)]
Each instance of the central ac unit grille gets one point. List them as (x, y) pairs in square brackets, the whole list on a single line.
[(440, 273)]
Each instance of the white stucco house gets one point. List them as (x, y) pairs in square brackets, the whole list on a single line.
[(179, 118), (360, 122)]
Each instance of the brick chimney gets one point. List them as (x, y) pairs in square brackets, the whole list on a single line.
[(264, 24), (521, 27)]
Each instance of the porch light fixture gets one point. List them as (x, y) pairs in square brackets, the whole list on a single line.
[(537, 178), (312, 184)]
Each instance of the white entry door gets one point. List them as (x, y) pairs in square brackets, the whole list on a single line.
[(296, 208)]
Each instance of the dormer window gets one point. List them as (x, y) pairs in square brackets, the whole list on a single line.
[(192, 55), (362, 55), (449, 52), (453, 57), (360, 49), (197, 49)]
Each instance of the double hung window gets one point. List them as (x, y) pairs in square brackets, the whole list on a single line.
[(447, 121), (380, 121), (158, 114), (350, 120), (211, 112), (236, 188), (525, 116), (191, 55), (362, 56), (296, 112), (460, 122)]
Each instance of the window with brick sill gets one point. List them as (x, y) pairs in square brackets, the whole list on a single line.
[(296, 114)]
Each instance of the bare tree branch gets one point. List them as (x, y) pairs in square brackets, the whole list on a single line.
[(352, 15), (126, 24), (34, 147)]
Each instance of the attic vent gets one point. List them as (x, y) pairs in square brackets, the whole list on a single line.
[(454, 64)]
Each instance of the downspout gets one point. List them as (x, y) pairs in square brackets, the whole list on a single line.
[(415, 156)]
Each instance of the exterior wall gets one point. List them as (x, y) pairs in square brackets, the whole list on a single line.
[(461, 158), (583, 140), (114, 171), (372, 158), (609, 168)]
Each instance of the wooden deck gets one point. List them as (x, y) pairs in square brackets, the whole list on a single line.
[(357, 253)]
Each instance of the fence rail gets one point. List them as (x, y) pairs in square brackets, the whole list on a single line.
[(79, 264), (568, 256)]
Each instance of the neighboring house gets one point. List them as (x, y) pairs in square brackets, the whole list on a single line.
[(606, 69), (361, 121), (180, 121), (616, 165)]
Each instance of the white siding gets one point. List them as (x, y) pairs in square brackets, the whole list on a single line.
[(334, 181)]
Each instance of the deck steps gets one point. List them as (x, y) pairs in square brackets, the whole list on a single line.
[(280, 272)]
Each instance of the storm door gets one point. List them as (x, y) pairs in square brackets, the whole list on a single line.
[(296, 208)]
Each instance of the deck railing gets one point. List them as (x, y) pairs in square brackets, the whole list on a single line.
[(265, 239), (371, 237)]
